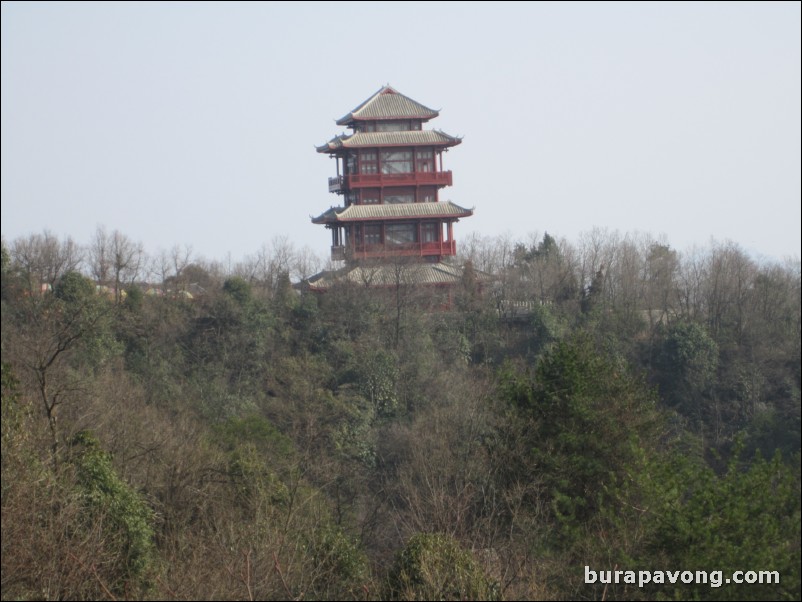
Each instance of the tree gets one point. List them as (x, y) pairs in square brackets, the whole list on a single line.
[(377, 380), (730, 279), (545, 271), (100, 257), (691, 279), (592, 295), (625, 284), (10, 276), (115, 259), (685, 371), (171, 265), (238, 289), (433, 566), (586, 421), (49, 330), (745, 519), (74, 289), (42, 259), (127, 259), (662, 264), (127, 521), (595, 253), (686, 363)]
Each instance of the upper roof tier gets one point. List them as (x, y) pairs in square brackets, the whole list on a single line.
[(388, 103), (376, 139)]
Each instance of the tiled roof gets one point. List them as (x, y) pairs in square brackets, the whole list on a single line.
[(406, 138), (388, 275), (392, 212), (388, 103)]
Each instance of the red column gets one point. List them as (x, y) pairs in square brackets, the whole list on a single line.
[(450, 238)]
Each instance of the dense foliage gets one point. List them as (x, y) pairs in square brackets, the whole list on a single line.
[(218, 434)]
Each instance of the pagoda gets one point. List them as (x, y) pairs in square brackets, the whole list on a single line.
[(389, 177)]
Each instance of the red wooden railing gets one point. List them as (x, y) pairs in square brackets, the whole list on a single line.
[(410, 249), (374, 180)]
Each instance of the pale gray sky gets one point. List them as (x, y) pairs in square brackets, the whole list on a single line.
[(196, 123)]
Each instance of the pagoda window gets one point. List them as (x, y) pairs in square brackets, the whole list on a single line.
[(396, 162), (373, 234), (350, 165), (400, 234), (427, 194), (394, 196), (424, 160), (350, 198), (371, 196), (369, 126), (367, 162), (430, 231)]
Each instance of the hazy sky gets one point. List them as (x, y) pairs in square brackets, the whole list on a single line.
[(196, 123)]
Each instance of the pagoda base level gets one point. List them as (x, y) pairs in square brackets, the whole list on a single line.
[(400, 273)]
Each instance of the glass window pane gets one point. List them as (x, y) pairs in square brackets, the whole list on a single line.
[(396, 155), (399, 234), (430, 231), (392, 199), (373, 234), (397, 167)]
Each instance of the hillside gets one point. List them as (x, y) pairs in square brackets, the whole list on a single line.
[(174, 430)]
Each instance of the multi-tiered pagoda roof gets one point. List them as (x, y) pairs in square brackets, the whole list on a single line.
[(389, 177)]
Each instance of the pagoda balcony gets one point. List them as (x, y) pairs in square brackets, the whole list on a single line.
[(338, 253), (410, 249), (336, 184), (339, 184)]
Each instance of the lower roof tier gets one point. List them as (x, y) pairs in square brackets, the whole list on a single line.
[(383, 274), (398, 211), (387, 139)]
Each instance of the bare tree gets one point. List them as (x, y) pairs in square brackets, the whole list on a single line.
[(305, 264), (161, 266), (272, 263), (691, 276), (546, 269), (596, 249), (44, 259), (127, 258), (624, 282), (661, 271), (100, 256), (181, 258), (487, 254), (731, 277)]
